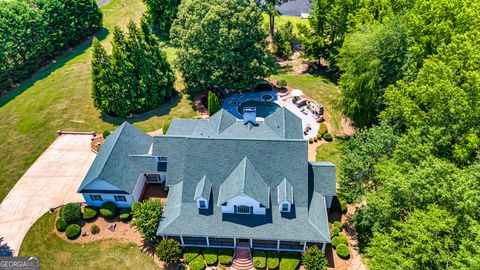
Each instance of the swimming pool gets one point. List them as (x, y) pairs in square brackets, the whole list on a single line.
[(264, 108)]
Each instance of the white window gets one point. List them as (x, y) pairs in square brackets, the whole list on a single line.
[(284, 207), (243, 209), (95, 197), (202, 204), (120, 198)]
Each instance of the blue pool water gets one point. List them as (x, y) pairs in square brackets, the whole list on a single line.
[(264, 108)]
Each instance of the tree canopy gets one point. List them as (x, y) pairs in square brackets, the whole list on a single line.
[(221, 44), (136, 77), (162, 13)]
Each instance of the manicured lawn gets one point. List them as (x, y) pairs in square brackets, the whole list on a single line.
[(56, 253), (331, 152), (59, 98), (318, 88), (281, 20)]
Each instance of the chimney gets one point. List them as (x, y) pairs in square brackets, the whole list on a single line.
[(250, 115)]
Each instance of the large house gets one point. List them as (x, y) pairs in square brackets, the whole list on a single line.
[(231, 182)]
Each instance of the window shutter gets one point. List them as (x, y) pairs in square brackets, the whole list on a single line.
[(251, 210), (235, 209)]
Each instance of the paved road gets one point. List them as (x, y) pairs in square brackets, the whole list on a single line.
[(51, 181)]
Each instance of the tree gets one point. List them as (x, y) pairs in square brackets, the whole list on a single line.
[(213, 103), (162, 13), (146, 216), (283, 40), (314, 259), (168, 250), (137, 76), (221, 44), (270, 7)]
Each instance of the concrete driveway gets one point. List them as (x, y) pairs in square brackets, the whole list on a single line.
[(50, 182)]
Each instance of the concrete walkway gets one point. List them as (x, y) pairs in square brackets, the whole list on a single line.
[(50, 182)]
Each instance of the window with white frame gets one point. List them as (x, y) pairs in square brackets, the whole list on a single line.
[(285, 207), (162, 164), (120, 198), (95, 197), (202, 204), (243, 209)]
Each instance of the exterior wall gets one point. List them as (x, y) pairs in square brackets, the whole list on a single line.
[(201, 199), (109, 198), (137, 191), (243, 200), (328, 201), (280, 206)]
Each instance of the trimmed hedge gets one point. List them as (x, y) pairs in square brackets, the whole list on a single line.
[(272, 260), (105, 134), (327, 137), (109, 210), (259, 259), (335, 231), (125, 214), (95, 229), (337, 240), (190, 253), (71, 212), (289, 261), (197, 264), (322, 129), (89, 212), (210, 255), (168, 250), (73, 231), (225, 256), (337, 224), (343, 251), (61, 224)]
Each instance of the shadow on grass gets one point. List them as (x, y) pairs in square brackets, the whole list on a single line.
[(56, 63), (165, 109)]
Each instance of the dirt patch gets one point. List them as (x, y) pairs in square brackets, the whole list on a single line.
[(295, 62), (97, 142), (199, 101)]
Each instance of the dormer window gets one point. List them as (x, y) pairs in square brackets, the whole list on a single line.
[(285, 196), (285, 207), (202, 193), (202, 204)]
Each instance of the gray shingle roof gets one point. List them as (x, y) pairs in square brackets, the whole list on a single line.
[(245, 179), (121, 158), (204, 188), (323, 177), (285, 192)]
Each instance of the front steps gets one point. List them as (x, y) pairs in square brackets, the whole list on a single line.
[(243, 259)]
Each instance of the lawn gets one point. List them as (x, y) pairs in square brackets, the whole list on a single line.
[(331, 152), (56, 253), (281, 20), (59, 98)]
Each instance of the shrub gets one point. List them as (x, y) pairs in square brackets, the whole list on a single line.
[(322, 129), (89, 212), (225, 256), (319, 137), (108, 210), (95, 229), (190, 253), (272, 260), (146, 216), (314, 259), (340, 239), (73, 231), (343, 204), (197, 264), (327, 137), (168, 250), (210, 256), (71, 212), (310, 140), (259, 259), (213, 103), (315, 139), (337, 224), (282, 83), (125, 214), (105, 134), (61, 224), (343, 251), (289, 261), (335, 231)]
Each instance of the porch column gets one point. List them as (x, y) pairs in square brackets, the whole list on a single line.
[(278, 244), (181, 240), (208, 242), (251, 243), (304, 246), (323, 247), (234, 242)]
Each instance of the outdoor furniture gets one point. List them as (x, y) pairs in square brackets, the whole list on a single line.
[(301, 102), (286, 97)]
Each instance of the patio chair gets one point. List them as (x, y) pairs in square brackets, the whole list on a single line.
[(286, 97), (301, 102)]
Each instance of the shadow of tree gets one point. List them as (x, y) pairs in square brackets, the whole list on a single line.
[(5, 249), (56, 63)]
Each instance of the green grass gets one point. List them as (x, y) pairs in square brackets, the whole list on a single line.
[(56, 253), (281, 20), (318, 88), (58, 97), (331, 152)]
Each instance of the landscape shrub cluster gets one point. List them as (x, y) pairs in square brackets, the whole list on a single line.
[(89, 212), (272, 260), (225, 256), (259, 259), (34, 31), (109, 210), (73, 231), (71, 212)]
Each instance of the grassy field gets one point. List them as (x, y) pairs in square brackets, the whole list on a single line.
[(281, 20), (331, 152), (59, 98), (56, 253)]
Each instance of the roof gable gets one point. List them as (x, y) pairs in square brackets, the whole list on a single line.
[(221, 120), (285, 123), (285, 192), (204, 188), (322, 176), (245, 179)]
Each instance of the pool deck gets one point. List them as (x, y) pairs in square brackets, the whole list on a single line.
[(231, 104)]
